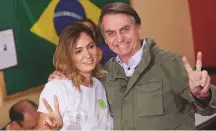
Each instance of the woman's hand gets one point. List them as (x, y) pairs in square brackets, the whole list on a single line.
[(54, 118)]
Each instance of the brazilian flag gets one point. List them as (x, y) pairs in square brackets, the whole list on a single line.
[(36, 25)]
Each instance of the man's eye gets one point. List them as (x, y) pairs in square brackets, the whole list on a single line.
[(110, 34), (126, 29)]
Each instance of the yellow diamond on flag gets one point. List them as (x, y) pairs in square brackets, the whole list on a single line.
[(44, 27), (92, 11)]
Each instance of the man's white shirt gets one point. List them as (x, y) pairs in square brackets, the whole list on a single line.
[(84, 110), (133, 61)]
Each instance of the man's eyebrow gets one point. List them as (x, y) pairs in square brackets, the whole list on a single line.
[(107, 31), (126, 26)]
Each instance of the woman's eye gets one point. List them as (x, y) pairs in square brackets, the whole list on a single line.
[(91, 46), (78, 51)]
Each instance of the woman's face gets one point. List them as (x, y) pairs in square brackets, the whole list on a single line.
[(85, 54)]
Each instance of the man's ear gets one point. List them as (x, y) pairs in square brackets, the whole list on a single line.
[(138, 26), (14, 126), (103, 35), (105, 41)]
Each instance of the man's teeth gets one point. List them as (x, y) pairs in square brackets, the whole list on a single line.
[(123, 45)]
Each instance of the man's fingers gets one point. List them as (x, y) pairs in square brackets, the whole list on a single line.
[(50, 77), (187, 65), (56, 75), (56, 103), (59, 74), (199, 61), (204, 90), (208, 82), (49, 109), (62, 76), (204, 77), (206, 87), (196, 90)]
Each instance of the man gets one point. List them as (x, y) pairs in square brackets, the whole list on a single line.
[(23, 116), (147, 87)]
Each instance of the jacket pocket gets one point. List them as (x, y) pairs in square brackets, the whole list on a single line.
[(114, 96), (115, 90), (150, 98)]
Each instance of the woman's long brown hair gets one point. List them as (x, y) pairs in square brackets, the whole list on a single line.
[(63, 57)]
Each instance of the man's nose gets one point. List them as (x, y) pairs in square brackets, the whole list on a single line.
[(119, 37)]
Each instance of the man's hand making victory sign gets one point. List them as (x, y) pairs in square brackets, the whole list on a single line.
[(198, 80)]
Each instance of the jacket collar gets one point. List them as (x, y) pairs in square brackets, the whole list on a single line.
[(118, 72)]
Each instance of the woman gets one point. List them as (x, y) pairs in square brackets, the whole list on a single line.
[(104, 52), (80, 100)]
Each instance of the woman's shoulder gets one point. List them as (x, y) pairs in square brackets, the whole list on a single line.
[(58, 85), (96, 80), (56, 82), (98, 83)]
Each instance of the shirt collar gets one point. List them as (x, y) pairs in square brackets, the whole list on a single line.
[(135, 59)]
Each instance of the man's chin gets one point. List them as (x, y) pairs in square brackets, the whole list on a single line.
[(126, 54)]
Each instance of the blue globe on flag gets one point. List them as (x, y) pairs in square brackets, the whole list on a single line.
[(67, 12)]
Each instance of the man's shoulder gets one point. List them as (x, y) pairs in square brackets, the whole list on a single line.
[(163, 55), (108, 67), (159, 51), (109, 63)]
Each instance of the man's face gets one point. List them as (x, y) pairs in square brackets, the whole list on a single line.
[(31, 117), (121, 34)]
